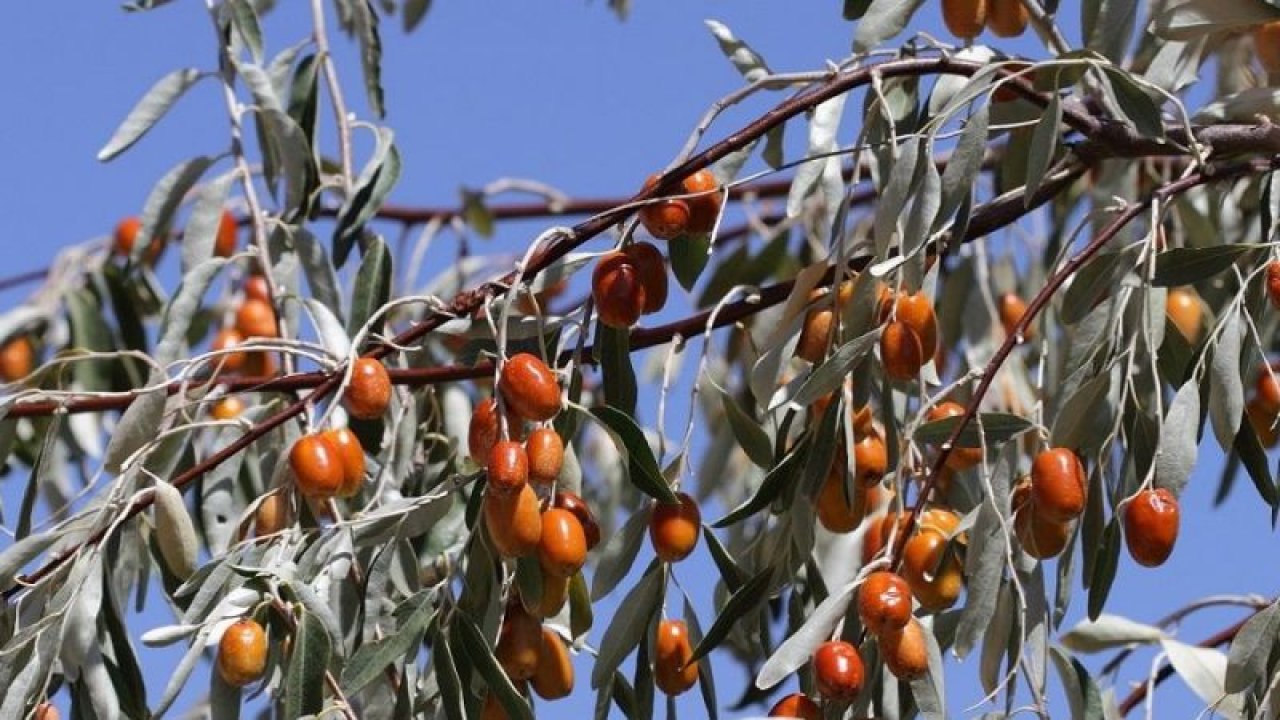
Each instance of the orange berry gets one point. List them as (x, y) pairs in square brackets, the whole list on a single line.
[(672, 671), (618, 290), (519, 641), (273, 514), (554, 677), (884, 602), (484, 431), (871, 458), (1266, 41), (905, 651), (814, 336), (1059, 487), (961, 458), (797, 706), (964, 18), (838, 671), (529, 388), (508, 467), (562, 548), (1268, 391), (1184, 310), (514, 522), (352, 456), (227, 408), (255, 288), (1040, 538), (256, 318), (881, 530), (1011, 309), (936, 582), (1007, 18), (900, 352), (17, 359), (126, 234), (835, 513), (673, 529), (1151, 526), (576, 505), (555, 592), (545, 451), (665, 219), (242, 653), (317, 466), (652, 269), (225, 242), (227, 338), (704, 208), (1262, 419), (917, 313), (369, 392)]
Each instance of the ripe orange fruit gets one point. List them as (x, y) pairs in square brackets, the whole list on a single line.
[(562, 548), (514, 522), (961, 458), (797, 706), (369, 392), (884, 602), (665, 219), (881, 530), (618, 290), (1151, 526), (352, 456), (555, 592), (554, 677), (814, 336), (126, 234), (545, 451), (917, 313), (484, 431), (1059, 486), (529, 388), (519, 641), (900, 351), (838, 671), (273, 514), (1184, 310), (1268, 391), (837, 514), (242, 653), (256, 318), (255, 287), (652, 269), (227, 408), (906, 651), (576, 505), (1266, 40), (704, 208), (317, 466), (871, 458), (1007, 18), (936, 582), (673, 529), (227, 338), (508, 468), (17, 359), (672, 671), (46, 711), (964, 18), (1262, 421), (225, 242), (1040, 537), (1012, 308)]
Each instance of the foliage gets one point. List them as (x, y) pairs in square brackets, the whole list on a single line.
[(1124, 207)]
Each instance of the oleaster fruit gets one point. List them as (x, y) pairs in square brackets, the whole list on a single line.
[(545, 451), (1006, 18), (351, 455), (554, 677), (674, 528), (529, 388), (798, 706), (884, 602), (617, 290), (838, 671), (17, 359), (317, 466), (905, 650), (1151, 519), (672, 651), (1059, 486), (242, 653), (562, 546), (964, 18), (369, 393), (514, 522)]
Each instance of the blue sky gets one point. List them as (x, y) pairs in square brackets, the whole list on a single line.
[(560, 92)]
